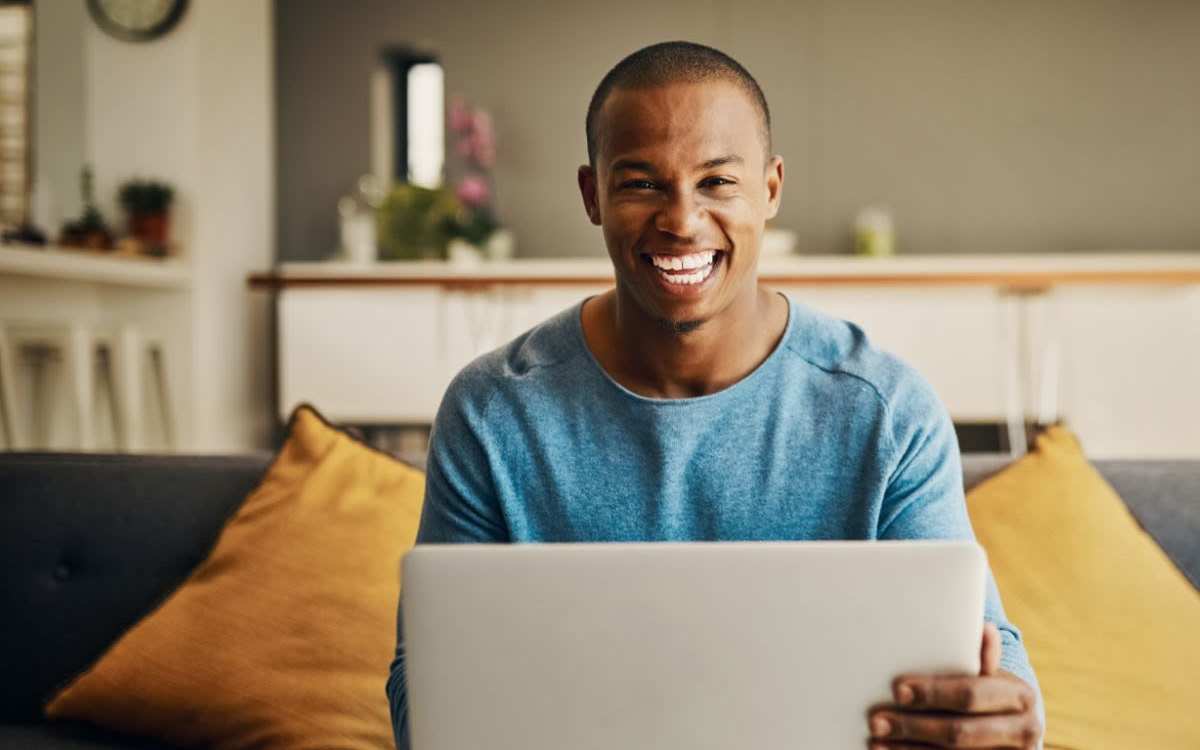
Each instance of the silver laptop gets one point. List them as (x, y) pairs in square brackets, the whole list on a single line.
[(678, 645)]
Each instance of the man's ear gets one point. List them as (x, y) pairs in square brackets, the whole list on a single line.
[(587, 189), (774, 185)]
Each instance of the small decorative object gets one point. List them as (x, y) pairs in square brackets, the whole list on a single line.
[(873, 233), (777, 242), (357, 221), (24, 234), (475, 144), (417, 223), (148, 204), (137, 20), (89, 231), (500, 245), (461, 252)]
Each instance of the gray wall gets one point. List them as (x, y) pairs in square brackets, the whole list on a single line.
[(60, 125), (987, 125)]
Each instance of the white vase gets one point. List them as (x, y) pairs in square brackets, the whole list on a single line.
[(500, 245), (461, 252)]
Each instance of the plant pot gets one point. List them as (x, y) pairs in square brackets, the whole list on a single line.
[(98, 239), (500, 245), (86, 239), (152, 229)]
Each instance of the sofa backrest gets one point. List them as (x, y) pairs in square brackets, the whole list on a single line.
[(1164, 496), (89, 544)]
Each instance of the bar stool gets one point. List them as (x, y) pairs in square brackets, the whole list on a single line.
[(118, 354)]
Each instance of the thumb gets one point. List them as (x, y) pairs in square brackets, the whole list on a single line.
[(989, 656)]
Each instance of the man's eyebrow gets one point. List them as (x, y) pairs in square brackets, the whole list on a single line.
[(721, 161)]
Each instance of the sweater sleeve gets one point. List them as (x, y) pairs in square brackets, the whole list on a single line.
[(459, 507), (924, 499)]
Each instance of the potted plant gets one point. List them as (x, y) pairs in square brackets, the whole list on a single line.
[(88, 231), (148, 204), (477, 230), (416, 222)]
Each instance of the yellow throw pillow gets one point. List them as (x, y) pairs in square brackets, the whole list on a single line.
[(283, 636), (1111, 625)]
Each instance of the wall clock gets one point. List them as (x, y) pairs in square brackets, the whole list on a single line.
[(137, 20)]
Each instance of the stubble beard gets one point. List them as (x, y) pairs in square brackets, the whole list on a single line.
[(681, 327)]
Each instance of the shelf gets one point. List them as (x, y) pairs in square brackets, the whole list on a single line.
[(89, 266), (1017, 271)]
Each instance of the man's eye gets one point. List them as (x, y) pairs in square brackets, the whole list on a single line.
[(716, 182), (638, 185)]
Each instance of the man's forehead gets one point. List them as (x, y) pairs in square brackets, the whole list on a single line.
[(709, 119)]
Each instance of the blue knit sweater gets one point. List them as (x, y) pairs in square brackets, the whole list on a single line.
[(829, 438)]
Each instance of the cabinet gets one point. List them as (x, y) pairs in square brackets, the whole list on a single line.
[(1110, 343)]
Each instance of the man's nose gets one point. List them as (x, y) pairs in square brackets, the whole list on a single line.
[(680, 215)]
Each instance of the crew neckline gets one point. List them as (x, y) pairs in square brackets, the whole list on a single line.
[(727, 392)]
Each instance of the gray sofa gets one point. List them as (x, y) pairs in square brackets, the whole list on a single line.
[(90, 543)]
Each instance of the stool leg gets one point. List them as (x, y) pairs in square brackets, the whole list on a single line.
[(107, 387), (39, 404), (127, 369), (158, 363), (79, 366), (14, 433)]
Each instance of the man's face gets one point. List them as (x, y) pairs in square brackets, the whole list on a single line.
[(682, 187)]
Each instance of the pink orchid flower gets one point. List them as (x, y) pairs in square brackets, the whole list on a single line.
[(460, 116), (474, 191)]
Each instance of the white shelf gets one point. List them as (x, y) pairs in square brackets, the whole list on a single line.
[(1134, 267), (93, 267)]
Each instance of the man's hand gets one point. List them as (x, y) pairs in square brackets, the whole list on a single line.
[(994, 710)]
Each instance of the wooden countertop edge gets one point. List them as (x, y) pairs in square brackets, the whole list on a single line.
[(1032, 280)]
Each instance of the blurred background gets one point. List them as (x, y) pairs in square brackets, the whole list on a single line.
[(215, 210)]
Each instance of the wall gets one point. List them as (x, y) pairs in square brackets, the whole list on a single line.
[(196, 108), (1019, 126)]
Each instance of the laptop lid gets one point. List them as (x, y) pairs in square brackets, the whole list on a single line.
[(681, 645)]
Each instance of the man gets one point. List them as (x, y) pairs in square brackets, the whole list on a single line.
[(690, 403)]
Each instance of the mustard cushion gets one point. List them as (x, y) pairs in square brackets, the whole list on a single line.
[(283, 636), (1111, 625)]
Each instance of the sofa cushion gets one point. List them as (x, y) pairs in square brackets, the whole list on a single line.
[(283, 636), (91, 543), (1109, 622)]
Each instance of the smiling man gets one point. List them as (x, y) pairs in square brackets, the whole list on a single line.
[(691, 403)]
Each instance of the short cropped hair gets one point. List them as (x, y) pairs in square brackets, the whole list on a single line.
[(674, 62)]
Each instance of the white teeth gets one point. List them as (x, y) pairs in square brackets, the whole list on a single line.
[(683, 262), (686, 279), (689, 278)]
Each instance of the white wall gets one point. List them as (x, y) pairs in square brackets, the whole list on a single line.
[(196, 108)]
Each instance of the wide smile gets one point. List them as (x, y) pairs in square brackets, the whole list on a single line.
[(685, 275)]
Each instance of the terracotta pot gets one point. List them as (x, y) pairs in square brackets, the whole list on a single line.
[(152, 229), (98, 239)]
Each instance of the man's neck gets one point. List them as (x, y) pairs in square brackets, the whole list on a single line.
[(650, 358)]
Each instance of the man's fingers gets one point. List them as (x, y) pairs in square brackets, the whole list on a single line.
[(963, 694), (989, 657), (954, 730)]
